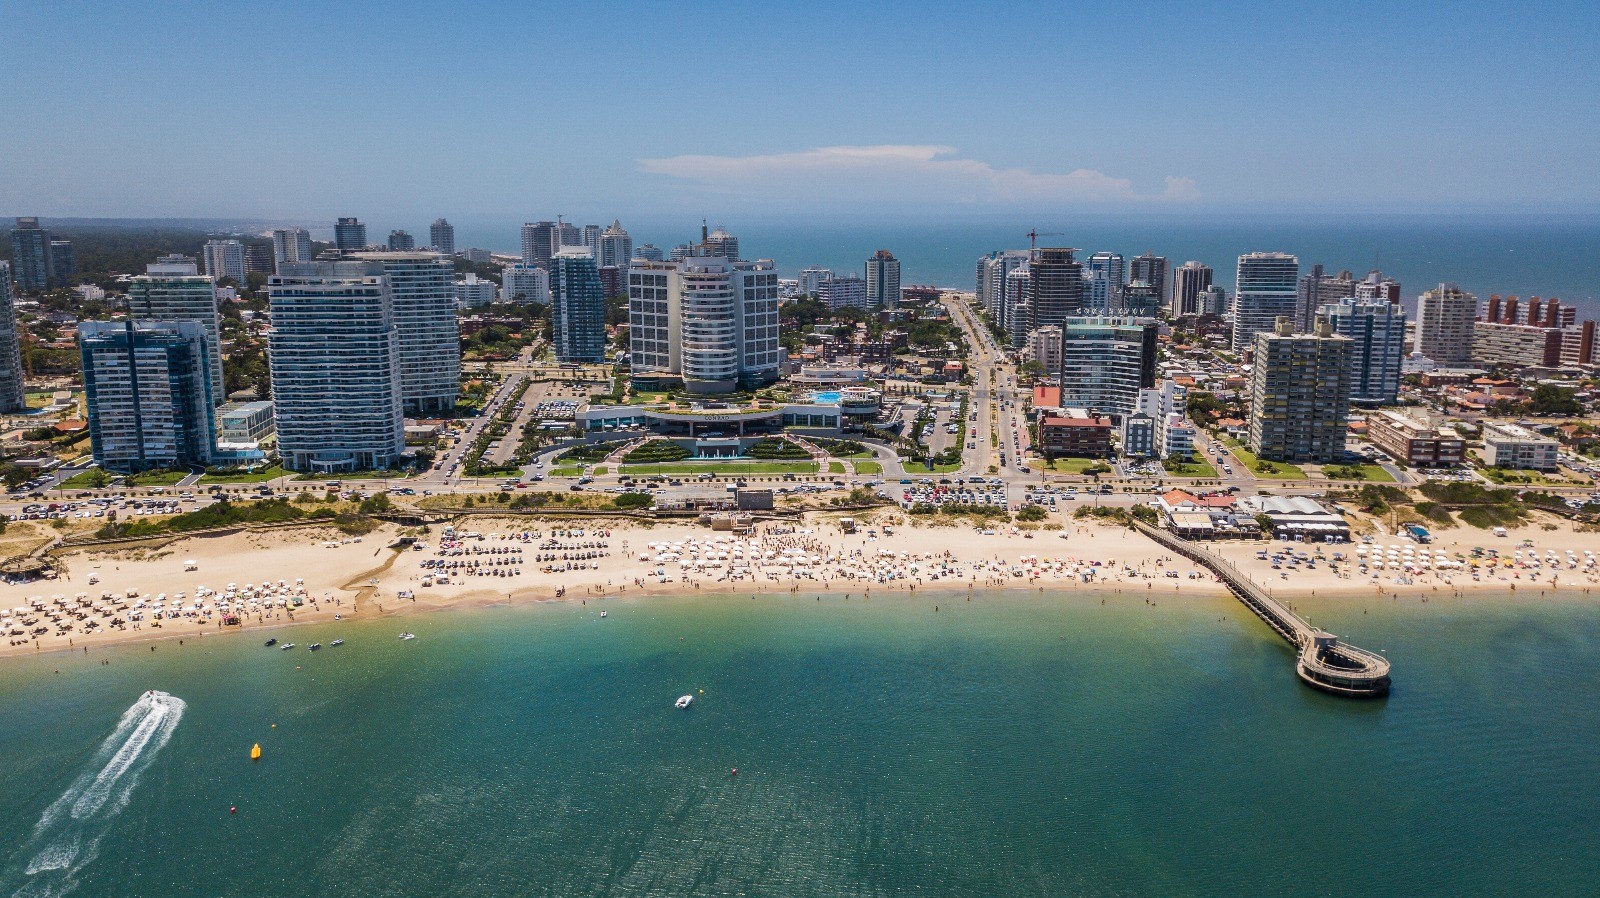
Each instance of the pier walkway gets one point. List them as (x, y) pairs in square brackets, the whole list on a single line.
[(1323, 661)]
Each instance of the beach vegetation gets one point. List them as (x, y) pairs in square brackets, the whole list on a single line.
[(1032, 513), (633, 501)]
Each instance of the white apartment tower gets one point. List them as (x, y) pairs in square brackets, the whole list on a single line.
[(1445, 317), (422, 289), (1267, 288), (524, 283), (225, 259), (291, 245), (172, 289), (883, 280), (334, 351), (710, 320), (615, 247)]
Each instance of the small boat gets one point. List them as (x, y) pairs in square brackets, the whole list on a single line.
[(408, 636), (287, 646), (272, 642), (314, 646), (602, 614), (255, 752), (683, 701), (337, 642)]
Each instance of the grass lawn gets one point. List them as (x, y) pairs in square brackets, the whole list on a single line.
[(566, 471), (1075, 465), (1518, 476), (601, 470), (868, 467), (835, 467), (271, 472), (1279, 470), (85, 480), (1193, 468), (157, 478), (723, 467), (1365, 473)]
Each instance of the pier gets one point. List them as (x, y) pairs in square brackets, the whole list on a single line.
[(1322, 661)]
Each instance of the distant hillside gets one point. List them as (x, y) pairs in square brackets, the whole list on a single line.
[(105, 248)]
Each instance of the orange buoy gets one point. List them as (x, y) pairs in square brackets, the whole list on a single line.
[(255, 752)]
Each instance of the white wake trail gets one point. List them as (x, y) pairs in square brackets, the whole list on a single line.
[(67, 836)]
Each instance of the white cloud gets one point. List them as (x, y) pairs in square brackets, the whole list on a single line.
[(934, 172)]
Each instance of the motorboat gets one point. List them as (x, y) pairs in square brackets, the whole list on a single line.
[(602, 614), (272, 642), (287, 646), (683, 701), (408, 636), (337, 642), (314, 646)]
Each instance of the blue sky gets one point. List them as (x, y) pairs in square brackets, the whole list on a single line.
[(290, 110)]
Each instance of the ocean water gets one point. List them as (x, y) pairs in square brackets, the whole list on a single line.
[(1018, 744), (1525, 255)]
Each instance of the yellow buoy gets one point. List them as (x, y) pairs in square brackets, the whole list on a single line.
[(255, 752)]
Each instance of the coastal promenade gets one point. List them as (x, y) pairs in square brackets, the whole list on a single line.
[(1322, 662)]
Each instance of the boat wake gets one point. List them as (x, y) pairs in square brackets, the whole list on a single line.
[(67, 836)]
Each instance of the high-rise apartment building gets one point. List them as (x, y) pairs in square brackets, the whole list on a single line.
[(590, 237), (1055, 287), (63, 263), (991, 286), (719, 243), (616, 247), (474, 292), (1299, 394), (1189, 281), (1140, 298), (13, 395), (1154, 270), (1377, 285), (811, 278), (709, 320), (172, 289), (291, 245), (1377, 332), (649, 252), (848, 292), (349, 235), (258, 258), (148, 388), (525, 284), (225, 259), (536, 237), (1016, 299), (1316, 290), (334, 351), (1214, 302), (1105, 362), (422, 295), (1267, 288), (577, 306), (883, 280), (442, 236), (1104, 272), (401, 242), (1445, 317), (31, 264)]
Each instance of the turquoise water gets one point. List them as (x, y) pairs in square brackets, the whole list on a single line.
[(1026, 744), (826, 396)]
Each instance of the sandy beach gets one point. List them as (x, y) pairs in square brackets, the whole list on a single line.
[(197, 587)]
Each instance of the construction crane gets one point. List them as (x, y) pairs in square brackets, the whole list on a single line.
[(1033, 240)]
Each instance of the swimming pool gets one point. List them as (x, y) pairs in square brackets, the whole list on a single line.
[(826, 396)]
